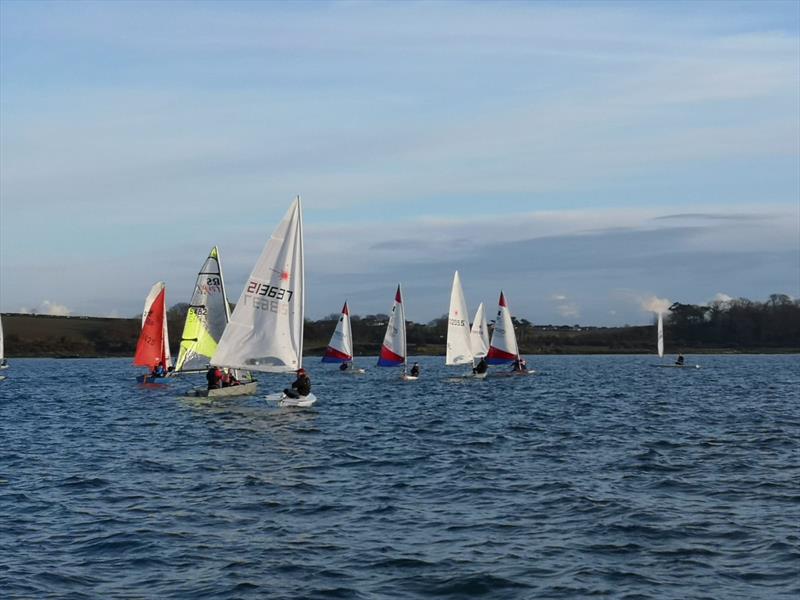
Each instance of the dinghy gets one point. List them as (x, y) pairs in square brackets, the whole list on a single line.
[(459, 347), (206, 318), (340, 348), (503, 349), (265, 332), (393, 350), (479, 339), (153, 345), (660, 347)]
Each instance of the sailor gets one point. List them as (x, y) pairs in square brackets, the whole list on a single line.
[(679, 360), (519, 365), (481, 367), (300, 386), (158, 370), (344, 366), (415, 370), (213, 376)]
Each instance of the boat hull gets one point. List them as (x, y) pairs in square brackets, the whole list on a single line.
[(150, 379), (243, 389), (301, 402)]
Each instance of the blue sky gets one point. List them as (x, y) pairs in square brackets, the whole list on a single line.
[(585, 157)]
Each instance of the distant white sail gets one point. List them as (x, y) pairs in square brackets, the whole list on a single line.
[(503, 347), (265, 332), (340, 348), (479, 334), (393, 350), (459, 351), (660, 336)]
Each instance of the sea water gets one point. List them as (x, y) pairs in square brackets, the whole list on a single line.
[(597, 476)]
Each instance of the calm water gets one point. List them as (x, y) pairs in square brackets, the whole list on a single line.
[(600, 476)]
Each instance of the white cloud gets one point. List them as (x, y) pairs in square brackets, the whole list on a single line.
[(656, 304), (721, 297), (46, 307)]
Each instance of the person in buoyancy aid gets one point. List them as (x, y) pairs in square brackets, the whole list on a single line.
[(679, 360), (344, 366), (481, 367), (158, 370), (213, 377), (414, 370), (519, 365), (300, 386)]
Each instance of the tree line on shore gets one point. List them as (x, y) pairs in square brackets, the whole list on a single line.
[(733, 325)]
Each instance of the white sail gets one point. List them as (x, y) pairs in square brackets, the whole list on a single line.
[(660, 336), (459, 351), (479, 334), (340, 348), (148, 302), (393, 350), (265, 332), (206, 317), (503, 347)]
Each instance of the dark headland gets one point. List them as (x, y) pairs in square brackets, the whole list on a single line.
[(736, 326)]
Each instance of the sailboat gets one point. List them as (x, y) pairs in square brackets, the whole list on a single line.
[(393, 350), (479, 334), (152, 348), (206, 318), (503, 347), (459, 348), (265, 332), (660, 347), (340, 348)]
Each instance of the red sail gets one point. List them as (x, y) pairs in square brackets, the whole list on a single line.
[(150, 347)]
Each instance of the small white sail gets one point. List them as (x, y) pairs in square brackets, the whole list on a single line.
[(660, 336), (265, 332), (340, 348), (393, 350), (459, 351), (503, 347), (479, 334), (157, 288), (206, 317)]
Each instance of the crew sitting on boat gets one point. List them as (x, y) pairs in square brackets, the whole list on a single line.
[(520, 365), (414, 370), (214, 377), (679, 360), (228, 378), (344, 366), (481, 367), (158, 370), (300, 386)]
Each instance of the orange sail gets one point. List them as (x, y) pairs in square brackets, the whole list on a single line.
[(150, 347)]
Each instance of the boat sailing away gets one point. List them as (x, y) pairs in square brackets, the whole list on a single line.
[(393, 350), (660, 346), (503, 349), (340, 348), (265, 332), (152, 349), (459, 348), (206, 318)]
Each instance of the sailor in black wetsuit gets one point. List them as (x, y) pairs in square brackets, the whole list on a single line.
[(481, 367), (300, 386)]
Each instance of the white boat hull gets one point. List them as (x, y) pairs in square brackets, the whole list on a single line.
[(410, 377), (301, 402), (3, 366), (677, 366), (243, 389)]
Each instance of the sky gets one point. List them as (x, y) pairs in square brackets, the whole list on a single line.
[(591, 159)]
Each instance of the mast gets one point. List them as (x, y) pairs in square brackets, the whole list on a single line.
[(405, 343), (302, 282)]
